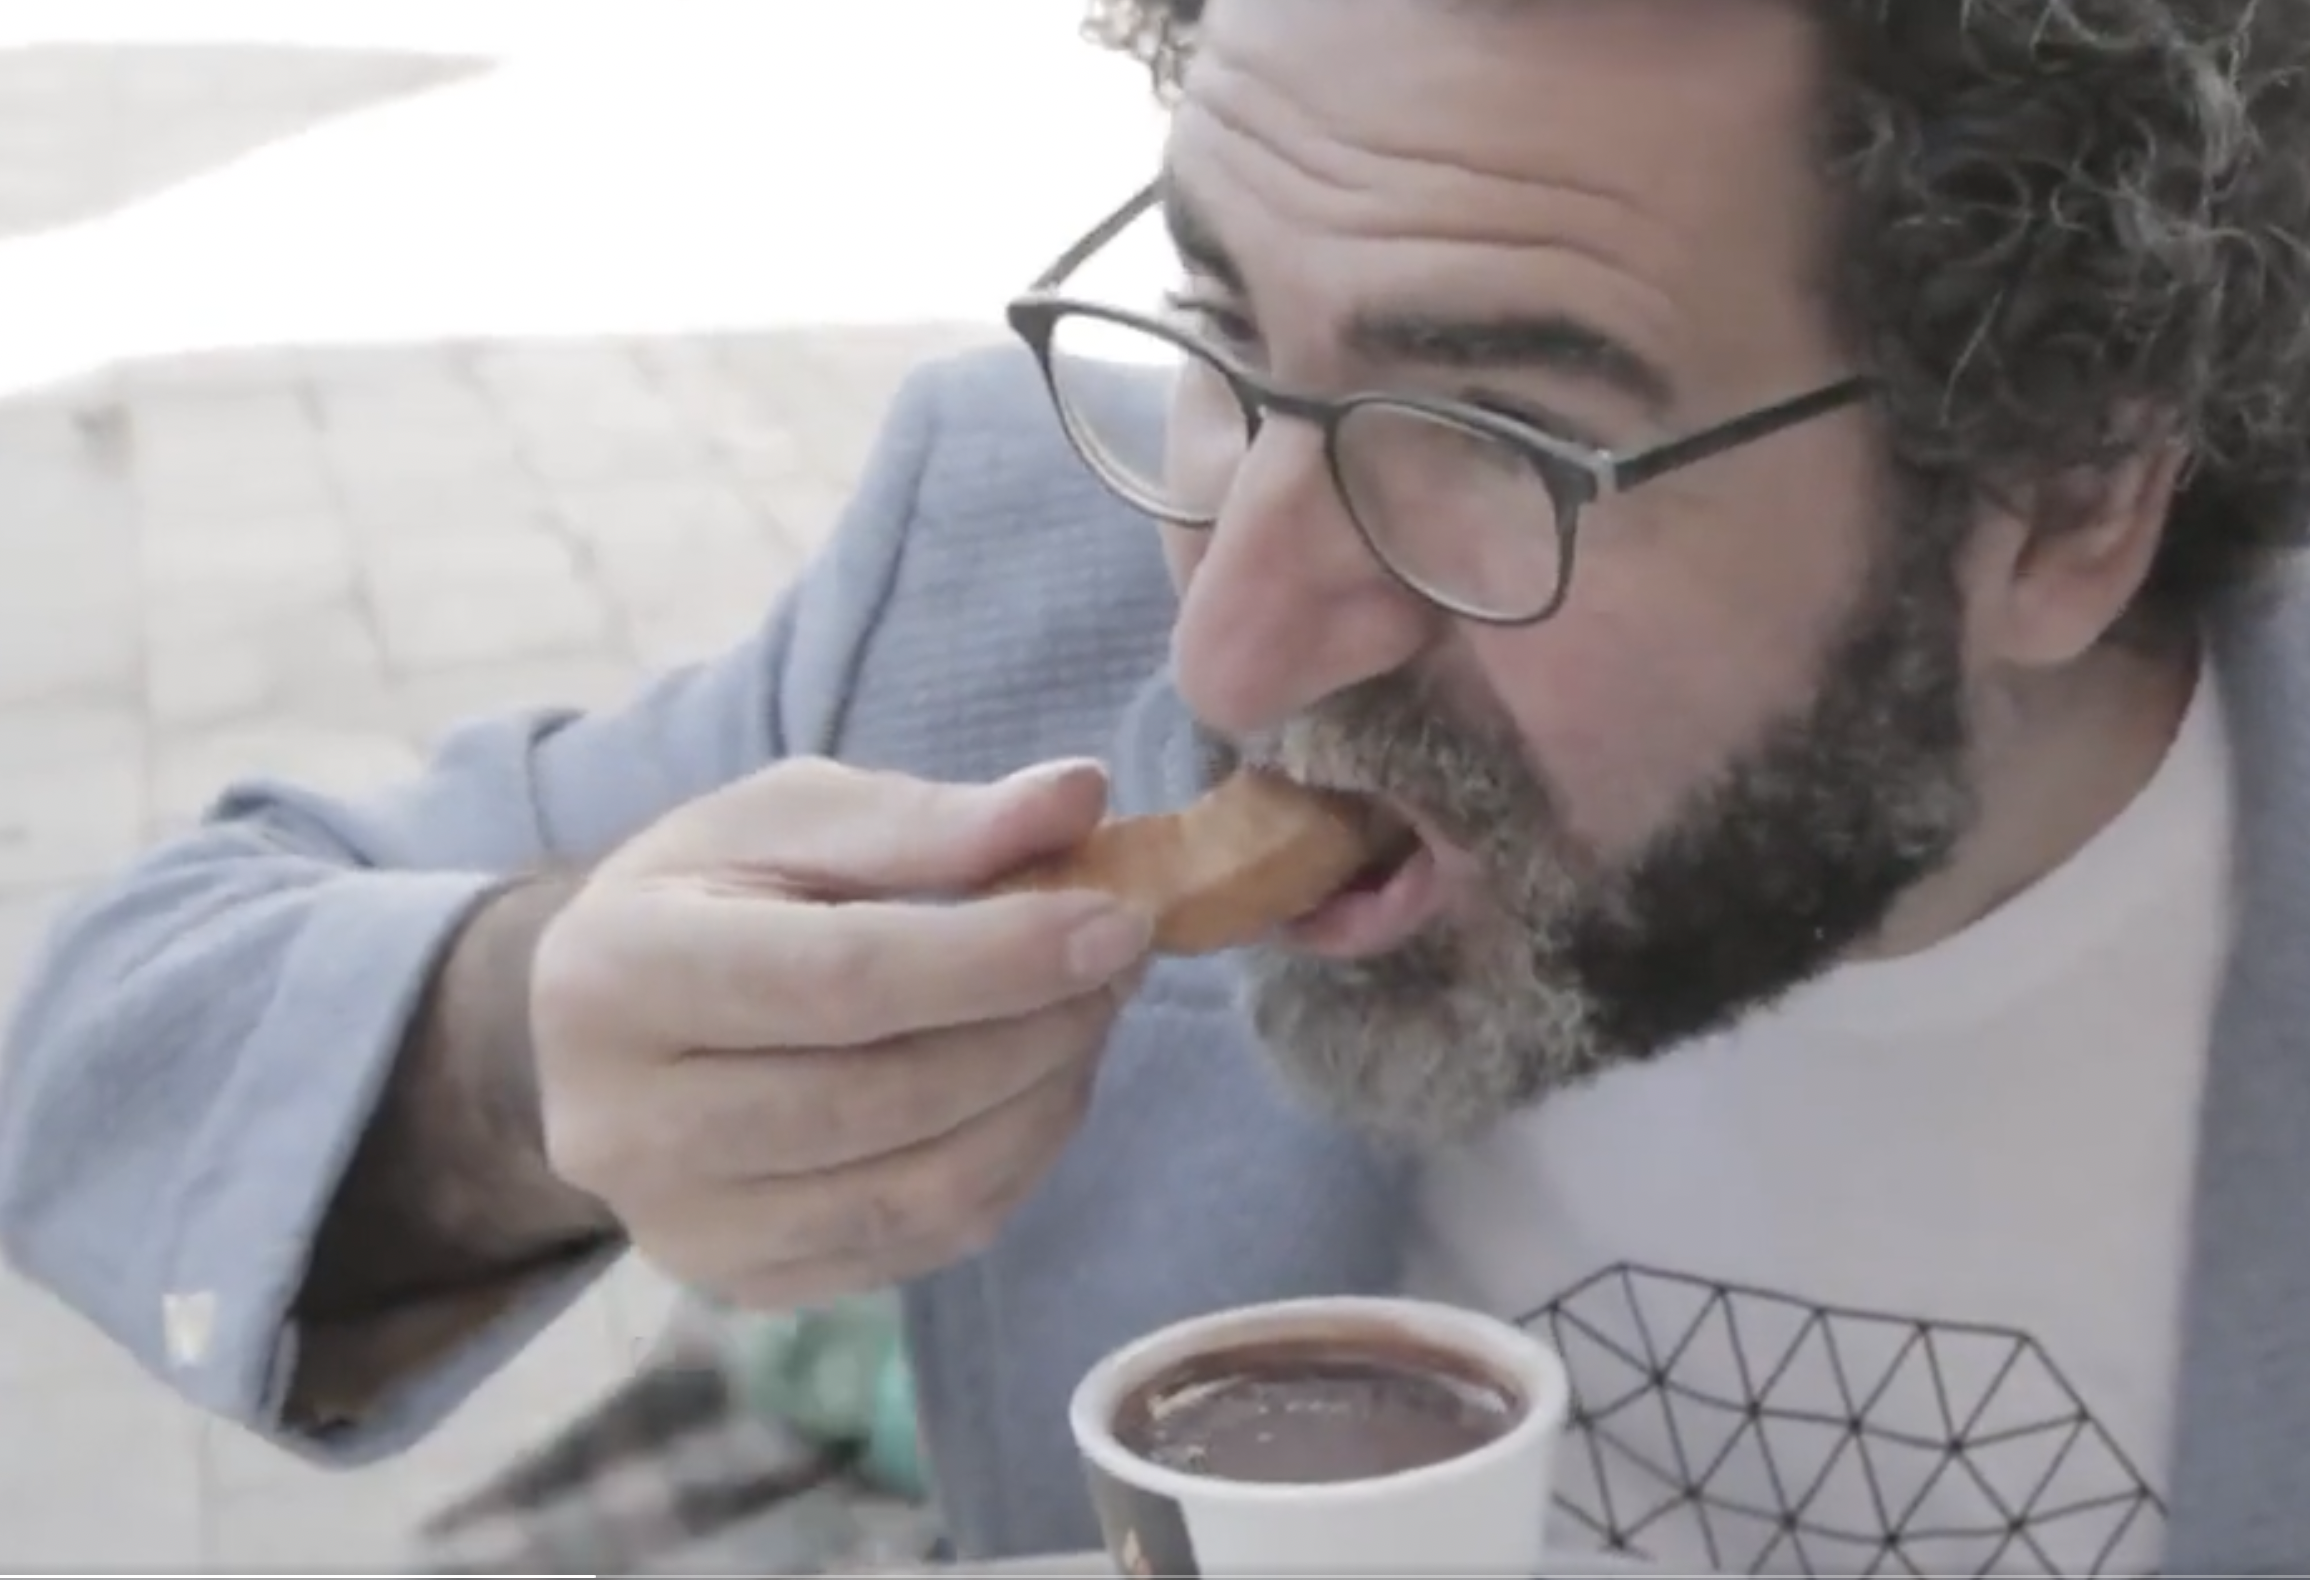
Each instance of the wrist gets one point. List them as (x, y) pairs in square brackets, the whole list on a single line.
[(511, 1197)]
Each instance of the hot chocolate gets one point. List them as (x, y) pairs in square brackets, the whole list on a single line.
[(1316, 1411)]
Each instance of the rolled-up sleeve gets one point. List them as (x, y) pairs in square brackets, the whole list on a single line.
[(203, 1040)]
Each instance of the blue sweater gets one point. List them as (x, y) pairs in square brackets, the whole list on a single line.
[(198, 1051)]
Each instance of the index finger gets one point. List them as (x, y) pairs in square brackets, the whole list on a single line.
[(766, 972)]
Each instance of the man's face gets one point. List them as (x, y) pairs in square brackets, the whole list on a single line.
[(1744, 735)]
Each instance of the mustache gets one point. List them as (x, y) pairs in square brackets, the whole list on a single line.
[(1401, 737)]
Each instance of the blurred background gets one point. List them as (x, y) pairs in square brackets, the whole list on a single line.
[(366, 364)]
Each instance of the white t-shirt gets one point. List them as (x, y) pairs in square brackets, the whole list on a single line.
[(1887, 1279)]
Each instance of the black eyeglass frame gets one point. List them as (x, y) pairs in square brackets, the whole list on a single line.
[(1576, 475)]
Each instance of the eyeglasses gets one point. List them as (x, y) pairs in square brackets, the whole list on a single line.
[(1475, 510)]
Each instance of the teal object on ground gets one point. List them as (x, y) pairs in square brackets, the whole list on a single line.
[(838, 1374)]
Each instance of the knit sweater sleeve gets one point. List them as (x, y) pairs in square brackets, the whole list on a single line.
[(202, 1041)]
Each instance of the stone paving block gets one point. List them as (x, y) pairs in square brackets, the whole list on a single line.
[(588, 413), (660, 545), (82, 576), (701, 508), (231, 494), (471, 600), (264, 371), (67, 522), (534, 549), (803, 511), (351, 363), (556, 371), (432, 703), (69, 821), (577, 451), (699, 632), (653, 592), (222, 580), (317, 661), (77, 436), (501, 499), (486, 621), (698, 380), (98, 1476), (316, 1522), (431, 426), (577, 384), (198, 458), (641, 1303), (831, 441), (68, 650), (190, 770), (236, 1461), (196, 683), (60, 733), (46, 1344)]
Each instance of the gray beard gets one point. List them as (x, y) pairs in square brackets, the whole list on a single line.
[(1781, 862)]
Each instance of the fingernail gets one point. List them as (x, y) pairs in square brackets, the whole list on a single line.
[(1043, 775), (1113, 939)]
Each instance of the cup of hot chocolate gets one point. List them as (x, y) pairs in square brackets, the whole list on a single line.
[(1340, 1436)]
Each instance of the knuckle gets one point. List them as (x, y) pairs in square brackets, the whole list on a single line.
[(583, 974), (824, 785), (925, 804), (566, 975), (809, 774)]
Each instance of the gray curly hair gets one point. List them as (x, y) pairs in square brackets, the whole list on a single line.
[(2069, 227)]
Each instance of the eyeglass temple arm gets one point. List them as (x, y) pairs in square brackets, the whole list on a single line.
[(1099, 235), (1630, 470)]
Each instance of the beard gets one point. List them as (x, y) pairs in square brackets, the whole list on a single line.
[(1781, 861)]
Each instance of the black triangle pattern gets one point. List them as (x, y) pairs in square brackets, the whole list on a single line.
[(1836, 1409)]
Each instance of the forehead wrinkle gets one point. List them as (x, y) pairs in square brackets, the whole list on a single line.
[(1340, 200), (1647, 314), (1310, 126)]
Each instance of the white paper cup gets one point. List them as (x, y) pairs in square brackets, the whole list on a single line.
[(1483, 1513)]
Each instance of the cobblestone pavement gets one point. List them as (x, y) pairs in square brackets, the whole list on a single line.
[(308, 562)]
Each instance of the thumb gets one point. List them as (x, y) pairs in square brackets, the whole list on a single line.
[(830, 831)]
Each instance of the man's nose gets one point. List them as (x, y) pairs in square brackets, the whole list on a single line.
[(1283, 604)]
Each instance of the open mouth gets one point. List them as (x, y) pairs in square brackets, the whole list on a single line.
[(1400, 845), (1382, 904)]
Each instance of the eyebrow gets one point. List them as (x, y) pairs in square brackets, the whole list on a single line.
[(1554, 342)]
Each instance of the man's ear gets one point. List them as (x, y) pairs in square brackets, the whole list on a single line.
[(2053, 568)]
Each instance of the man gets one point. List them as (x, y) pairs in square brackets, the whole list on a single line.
[(1792, 500)]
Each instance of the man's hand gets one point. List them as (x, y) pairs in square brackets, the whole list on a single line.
[(792, 1070)]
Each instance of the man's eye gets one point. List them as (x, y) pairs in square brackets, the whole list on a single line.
[(1209, 319)]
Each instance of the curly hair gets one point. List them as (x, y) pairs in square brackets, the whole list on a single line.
[(2068, 228)]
